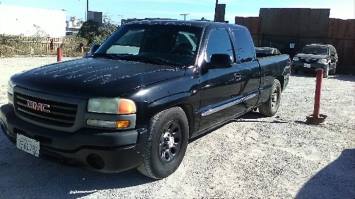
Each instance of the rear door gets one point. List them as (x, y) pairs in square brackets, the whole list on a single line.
[(248, 68)]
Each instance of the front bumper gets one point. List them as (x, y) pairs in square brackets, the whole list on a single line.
[(94, 148), (300, 66)]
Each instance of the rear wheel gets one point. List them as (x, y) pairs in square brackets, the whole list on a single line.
[(165, 144), (271, 107), (326, 72)]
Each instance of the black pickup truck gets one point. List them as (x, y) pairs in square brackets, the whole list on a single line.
[(139, 99)]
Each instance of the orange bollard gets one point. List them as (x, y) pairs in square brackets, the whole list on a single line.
[(59, 54), (317, 118)]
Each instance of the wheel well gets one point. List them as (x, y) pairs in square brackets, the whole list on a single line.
[(189, 114), (282, 81)]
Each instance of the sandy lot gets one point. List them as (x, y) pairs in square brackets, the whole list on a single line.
[(252, 157)]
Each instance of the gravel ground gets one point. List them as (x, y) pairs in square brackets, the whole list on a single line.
[(252, 157)]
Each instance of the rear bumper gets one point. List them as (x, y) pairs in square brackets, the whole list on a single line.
[(98, 150)]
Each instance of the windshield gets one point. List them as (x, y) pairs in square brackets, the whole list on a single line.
[(157, 44), (316, 50)]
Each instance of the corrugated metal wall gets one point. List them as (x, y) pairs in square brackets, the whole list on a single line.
[(342, 35), (309, 23), (280, 27), (253, 23)]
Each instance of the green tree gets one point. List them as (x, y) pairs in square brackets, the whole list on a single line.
[(95, 32)]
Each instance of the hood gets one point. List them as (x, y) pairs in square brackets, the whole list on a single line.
[(311, 56), (95, 77)]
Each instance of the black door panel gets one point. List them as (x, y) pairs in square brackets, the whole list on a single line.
[(219, 88)]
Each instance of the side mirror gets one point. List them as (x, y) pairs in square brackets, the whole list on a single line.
[(93, 49), (220, 61)]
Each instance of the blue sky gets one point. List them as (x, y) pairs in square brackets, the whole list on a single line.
[(117, 9)]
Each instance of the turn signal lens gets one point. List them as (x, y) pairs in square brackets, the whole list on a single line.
[(119, 124), (123, 124), (126, 107)]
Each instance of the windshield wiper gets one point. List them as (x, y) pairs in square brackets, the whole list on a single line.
[(109, 56), (148, 59), (139, 58)]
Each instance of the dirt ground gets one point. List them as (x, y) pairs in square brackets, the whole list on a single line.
[(251, 157)]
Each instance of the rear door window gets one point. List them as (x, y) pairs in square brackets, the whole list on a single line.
[(245, 50)]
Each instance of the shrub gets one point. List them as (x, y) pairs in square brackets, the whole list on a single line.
[(95, 32)]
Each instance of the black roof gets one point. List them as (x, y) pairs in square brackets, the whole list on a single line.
[(201, 24)]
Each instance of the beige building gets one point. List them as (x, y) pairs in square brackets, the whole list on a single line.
[(25, 21)]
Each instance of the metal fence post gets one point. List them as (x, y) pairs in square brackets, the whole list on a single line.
[(59, 54), (317, 118)]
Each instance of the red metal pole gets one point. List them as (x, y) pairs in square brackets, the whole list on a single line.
[(59, 54), (317, 118), (318, 93)]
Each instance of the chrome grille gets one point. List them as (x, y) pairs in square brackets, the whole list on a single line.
[(309, 60), (59, 114)]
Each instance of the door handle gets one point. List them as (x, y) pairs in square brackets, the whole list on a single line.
[(237, 77)]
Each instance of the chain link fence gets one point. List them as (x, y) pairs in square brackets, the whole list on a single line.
[(11, 46)]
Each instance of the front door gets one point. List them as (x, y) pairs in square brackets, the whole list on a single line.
[(220, 87)]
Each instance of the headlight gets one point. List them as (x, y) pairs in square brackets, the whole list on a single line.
[(10, 92), (323, 61), (112, 106), (10, 87), (296, 59)]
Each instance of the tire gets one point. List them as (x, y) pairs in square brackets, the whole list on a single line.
[(334, 70), (271, 107), (162, 155), (326, 72)]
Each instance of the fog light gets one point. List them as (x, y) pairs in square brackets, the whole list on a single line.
[(123, 124), (120, 124), (101, 123)]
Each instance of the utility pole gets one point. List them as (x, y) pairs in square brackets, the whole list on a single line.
[(220, 12), (184, 15), (216, 11), (87, 10)]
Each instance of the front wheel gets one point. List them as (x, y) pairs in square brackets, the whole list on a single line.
[(165, 144), (271, 107), (334, 70)]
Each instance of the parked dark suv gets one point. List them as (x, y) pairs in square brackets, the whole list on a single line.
[(315, 56)]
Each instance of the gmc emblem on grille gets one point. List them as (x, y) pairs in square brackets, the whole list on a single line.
[(38, 106)]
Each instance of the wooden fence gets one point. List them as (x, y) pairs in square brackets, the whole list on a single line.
[(17, 45)]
